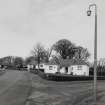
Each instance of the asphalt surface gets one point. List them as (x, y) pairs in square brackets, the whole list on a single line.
[(14, 87)]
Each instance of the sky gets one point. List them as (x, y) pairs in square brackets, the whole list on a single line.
[(24, 23)]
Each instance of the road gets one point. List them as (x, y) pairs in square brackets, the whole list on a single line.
[(14, 87), (24, 88)]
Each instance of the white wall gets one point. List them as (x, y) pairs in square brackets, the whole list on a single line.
[(83, 70), (41, 66), (69, 70), (30, 67), (62, 70), (51, 69)]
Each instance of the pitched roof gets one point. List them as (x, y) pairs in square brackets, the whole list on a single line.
[(68, 62), (32, 63), (52, 62)]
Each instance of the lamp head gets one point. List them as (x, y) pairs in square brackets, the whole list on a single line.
[(89, 13)]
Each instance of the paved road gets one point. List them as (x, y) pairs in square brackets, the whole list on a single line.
[(14, 87)]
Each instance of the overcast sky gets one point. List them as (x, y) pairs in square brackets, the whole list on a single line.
[(23, 23)]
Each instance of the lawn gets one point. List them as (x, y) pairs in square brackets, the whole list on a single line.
[(2, 72), (46, 92)]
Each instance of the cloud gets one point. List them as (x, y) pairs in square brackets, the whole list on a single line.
[(15, 15), (30, 21)]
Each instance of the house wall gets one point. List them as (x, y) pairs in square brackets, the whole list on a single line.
[(30, 67), (80, 70), (41, 66), (51, 69), (62, 70), (69, 70)]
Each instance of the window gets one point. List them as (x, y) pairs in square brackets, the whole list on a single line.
[(41, 65), (79, 67), (50, 67)]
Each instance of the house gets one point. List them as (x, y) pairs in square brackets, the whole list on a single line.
[(41, 66), (80, 68), (52, 67), (31, 65), (74, 67), (48, 67), (65, 66)]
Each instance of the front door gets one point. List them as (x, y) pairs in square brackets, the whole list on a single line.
[(66, 69)]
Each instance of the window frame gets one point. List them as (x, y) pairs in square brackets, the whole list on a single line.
[(79, 67)]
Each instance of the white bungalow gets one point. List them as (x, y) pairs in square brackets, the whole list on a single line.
[(74, 67), (52, 67), (31, 65), (65, 66), (41, 66), (80, 70), (48, 67)]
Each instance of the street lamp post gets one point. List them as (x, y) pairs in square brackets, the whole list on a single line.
[(95, 48)]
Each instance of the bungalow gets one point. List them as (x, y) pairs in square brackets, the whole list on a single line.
[(31, 65), (48, 67), (65, 67), (52, 67), (41, 66), (74, 67)]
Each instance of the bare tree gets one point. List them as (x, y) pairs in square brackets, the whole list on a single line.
[(18, 62), (7, 61), (41, 54), (81, 53), (29, 60)]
